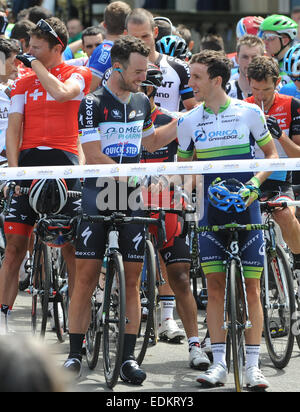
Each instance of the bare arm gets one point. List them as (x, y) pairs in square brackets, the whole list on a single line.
[(270, 152), (13, 138), (60, 91), (290, 146), (93, 154), (161, 137)]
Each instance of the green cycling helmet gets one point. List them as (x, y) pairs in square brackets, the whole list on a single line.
[(280, 24)]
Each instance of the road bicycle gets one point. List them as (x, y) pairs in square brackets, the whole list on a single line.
[(277, 291), (48, 284), (236, 314), (108, 318)]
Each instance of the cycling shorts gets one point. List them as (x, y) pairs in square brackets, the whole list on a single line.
[(212, 245), (22, 218), (91, 237)]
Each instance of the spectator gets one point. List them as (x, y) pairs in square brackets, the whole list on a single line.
[(26, 366), (75, 28)]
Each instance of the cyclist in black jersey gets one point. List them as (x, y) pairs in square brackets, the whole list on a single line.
[(115, 120), (175, 253)]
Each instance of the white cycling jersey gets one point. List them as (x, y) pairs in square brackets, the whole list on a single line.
[(231, 134), (176, 75)]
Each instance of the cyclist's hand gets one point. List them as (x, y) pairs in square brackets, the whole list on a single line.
[(5, 189), (274, 127), (27, 59), (255, 193)]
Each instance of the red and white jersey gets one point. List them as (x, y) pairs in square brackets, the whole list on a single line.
[(47, 122)]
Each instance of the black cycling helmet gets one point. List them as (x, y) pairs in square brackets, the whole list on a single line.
[(55, 233), (48, 196), (154, 78), (173, 46)]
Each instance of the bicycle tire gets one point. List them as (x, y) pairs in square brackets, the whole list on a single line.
[(114, 319), (147, 292), (60, 303), (41, 288), (93, 335), (236, 326), (282, 334)]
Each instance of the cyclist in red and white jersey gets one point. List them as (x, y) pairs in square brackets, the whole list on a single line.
[(282, 113), (44, 112)]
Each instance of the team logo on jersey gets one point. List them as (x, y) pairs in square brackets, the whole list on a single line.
[(119, 149), (116, 114), (132, 114)]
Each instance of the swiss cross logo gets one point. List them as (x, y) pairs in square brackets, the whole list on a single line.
[(36, 94)]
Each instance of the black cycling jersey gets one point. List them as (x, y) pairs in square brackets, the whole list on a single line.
[(119, 126)]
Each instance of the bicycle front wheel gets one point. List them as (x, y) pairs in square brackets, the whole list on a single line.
[(148, 302), (113, 319), (93, 335), (236, 312), (40, 289), (279, 309)]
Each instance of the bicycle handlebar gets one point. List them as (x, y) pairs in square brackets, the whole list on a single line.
[(233, 227)]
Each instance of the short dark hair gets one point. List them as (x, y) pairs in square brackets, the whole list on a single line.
[(212, 41), (60, 29), (115, 15), (218, 64), (140, 16), (8, 47), (91, 31), (21, 30), (37, 13), (124, 46), (262, 68)]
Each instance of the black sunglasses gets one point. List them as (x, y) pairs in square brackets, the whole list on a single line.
[(44, 26), (295, 79)]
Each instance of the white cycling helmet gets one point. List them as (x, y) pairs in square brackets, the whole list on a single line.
[(48, 196)]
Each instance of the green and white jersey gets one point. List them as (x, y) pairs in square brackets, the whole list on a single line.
[(231, 134)]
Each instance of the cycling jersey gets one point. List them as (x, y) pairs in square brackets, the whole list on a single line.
[(49, 123), (231, 134), (164, 154), (119, 126), (4, 109), (176, 75), (286, 109), (100, 59), (285, 78), (290, 89), (233, 90)]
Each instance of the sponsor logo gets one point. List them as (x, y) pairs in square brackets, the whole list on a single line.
[(126, 149)]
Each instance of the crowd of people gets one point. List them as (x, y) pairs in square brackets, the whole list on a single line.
[(133, 89)]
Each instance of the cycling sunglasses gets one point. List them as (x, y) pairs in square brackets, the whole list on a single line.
[(270, 36), (295, 79), (44, 26)]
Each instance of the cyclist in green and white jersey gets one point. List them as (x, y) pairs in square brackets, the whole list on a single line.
[(279, 32), (222, 129)]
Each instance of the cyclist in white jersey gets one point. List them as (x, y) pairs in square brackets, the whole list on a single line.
[(247, 48), (140, 23), (220, 129)]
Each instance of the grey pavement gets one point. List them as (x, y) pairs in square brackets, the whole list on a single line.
[(166, 364)]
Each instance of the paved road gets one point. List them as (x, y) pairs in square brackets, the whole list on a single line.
[(166, 366)]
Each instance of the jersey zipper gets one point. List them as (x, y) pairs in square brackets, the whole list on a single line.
[(125, 122)]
